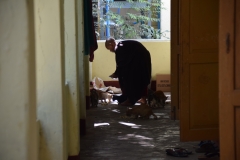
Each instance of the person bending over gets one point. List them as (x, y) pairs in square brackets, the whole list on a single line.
[(133, 69)]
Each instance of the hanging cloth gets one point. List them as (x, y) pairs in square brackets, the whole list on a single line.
[(90, 40)]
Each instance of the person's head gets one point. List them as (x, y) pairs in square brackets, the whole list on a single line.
[(110, 44)]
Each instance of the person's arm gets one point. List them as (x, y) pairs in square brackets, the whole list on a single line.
[(114, 75)]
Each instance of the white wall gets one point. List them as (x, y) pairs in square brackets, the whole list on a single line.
[(18, 127), (33, 31), (50, 79)]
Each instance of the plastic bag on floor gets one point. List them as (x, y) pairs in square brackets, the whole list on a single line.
[(98, 84)]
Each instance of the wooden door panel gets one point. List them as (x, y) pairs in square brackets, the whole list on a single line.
[(229, 79), (199, 58), (237, 48), (175, 52), (203, 21), (237, 131), (199, 70), (203, 104)]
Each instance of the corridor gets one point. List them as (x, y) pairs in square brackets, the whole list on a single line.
[(112, 136)]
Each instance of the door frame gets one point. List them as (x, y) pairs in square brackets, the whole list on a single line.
[(175, 55)]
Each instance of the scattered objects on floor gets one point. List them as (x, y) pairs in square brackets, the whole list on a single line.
[(210, 150), (110, 135), (178, 152)]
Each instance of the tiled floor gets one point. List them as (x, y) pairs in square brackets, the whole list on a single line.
[(112, 136)]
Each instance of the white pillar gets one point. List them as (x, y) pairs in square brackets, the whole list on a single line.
[(71, 64), (50, 79), (81, 65)]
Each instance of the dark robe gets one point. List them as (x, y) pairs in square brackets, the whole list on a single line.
[(90, 40), (133, 69)]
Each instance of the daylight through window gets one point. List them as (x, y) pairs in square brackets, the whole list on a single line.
[(132, 19)]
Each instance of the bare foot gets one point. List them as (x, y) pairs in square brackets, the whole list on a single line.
[(142, 100)]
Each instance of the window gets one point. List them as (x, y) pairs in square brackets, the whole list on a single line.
[(128, 19)]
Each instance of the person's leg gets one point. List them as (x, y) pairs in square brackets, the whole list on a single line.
[(120, 98), (143, 99), (126, 103), (123, 96)]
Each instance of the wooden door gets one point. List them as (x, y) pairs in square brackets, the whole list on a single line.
[(198, 75), (229, 79), (175, 53)]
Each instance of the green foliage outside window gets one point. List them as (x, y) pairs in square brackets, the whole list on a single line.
[(133, 25)]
